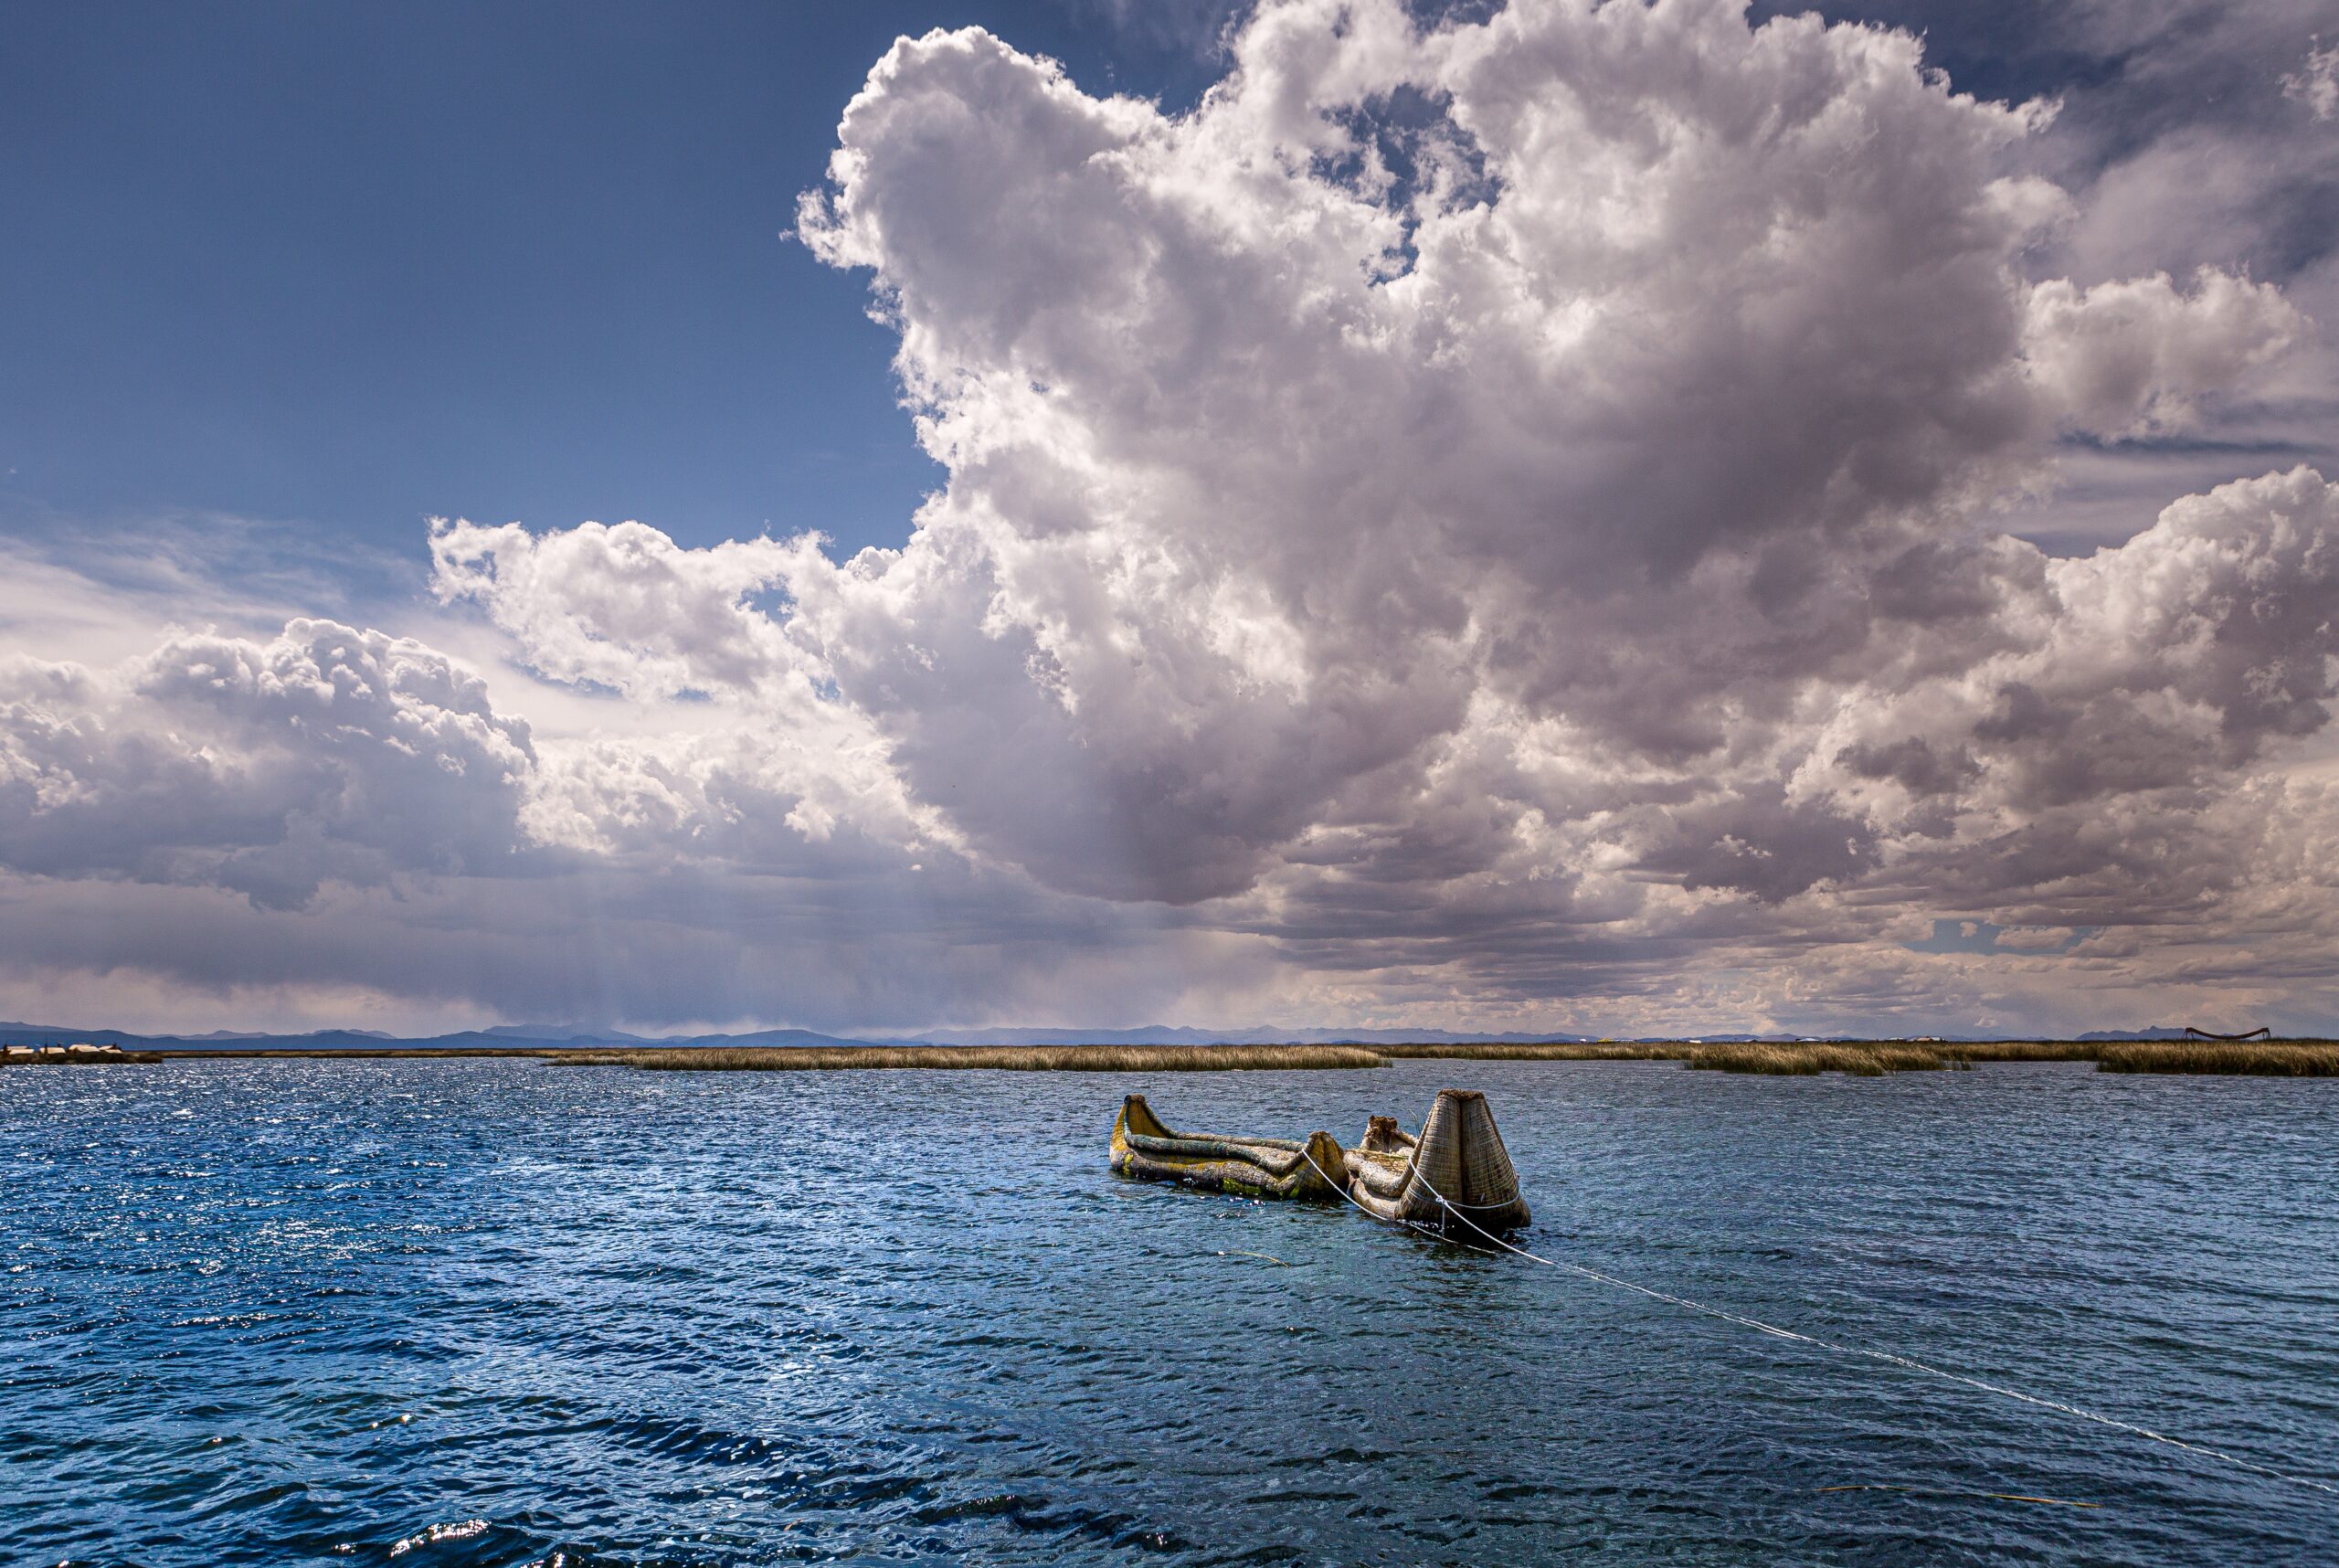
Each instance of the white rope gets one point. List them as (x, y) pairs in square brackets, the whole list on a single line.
[(1775, 1331)]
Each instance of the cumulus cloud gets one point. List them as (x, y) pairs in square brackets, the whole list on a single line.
[(622, 607), (2184, 134), (626, 610), (269, 768), (1268, 463), (2080, 763), (2131, 356), (1483, 513)]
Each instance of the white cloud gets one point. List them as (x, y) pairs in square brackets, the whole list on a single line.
[(2316, 83), (269, 768), (621, 607), (1466, 522), (2131, 357)]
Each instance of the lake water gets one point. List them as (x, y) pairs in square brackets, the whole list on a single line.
[(495, 1312)]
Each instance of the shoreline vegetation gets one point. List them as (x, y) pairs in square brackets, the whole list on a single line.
[(2263, 1058), (1009, 1058), (1864, 1058)]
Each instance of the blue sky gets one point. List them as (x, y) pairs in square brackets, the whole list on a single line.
[(1549, 516), (345, 267)]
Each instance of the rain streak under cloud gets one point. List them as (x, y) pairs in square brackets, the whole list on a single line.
[(1623, 518)]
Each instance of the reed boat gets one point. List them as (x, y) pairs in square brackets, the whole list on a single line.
[(1252, 1167), (1454, 1177)]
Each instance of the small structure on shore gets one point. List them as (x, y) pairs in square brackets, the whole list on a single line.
[(80, 1052), (1455, 1178)]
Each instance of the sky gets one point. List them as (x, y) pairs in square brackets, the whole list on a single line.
[(1621, 519)]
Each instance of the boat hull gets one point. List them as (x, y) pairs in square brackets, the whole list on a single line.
[(1457, 1178), (1146, 1151)]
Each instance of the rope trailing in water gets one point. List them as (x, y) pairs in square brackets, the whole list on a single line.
[(1885, 1356), (1944, 1492)]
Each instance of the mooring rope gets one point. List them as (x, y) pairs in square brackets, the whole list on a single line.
[(1945, 1492), (1774, 1331)]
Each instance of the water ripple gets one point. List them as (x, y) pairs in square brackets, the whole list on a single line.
[(495, 1313)]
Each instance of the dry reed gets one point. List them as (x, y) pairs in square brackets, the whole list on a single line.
[(999, 1058), (1870, 1058), (2023, 1050), (2269, 1058), (1572, 1051), (1866, 1058)]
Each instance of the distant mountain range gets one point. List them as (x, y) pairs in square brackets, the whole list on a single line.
[(537, 1036), (512, 1037)]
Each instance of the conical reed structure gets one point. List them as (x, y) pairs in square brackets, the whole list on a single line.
[(1455, 1178)]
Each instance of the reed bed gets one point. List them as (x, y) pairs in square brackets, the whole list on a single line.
[(998, 1058), (1574, 1050), (1868, 1059), (2023, 1050), (2268, 1058), (1864, 1058)]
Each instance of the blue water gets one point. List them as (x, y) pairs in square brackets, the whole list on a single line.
[(496, 1312)]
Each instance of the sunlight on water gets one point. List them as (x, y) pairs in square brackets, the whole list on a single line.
[(501, 1313)]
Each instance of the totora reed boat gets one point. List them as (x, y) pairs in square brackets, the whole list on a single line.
[(1455, 1176)]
